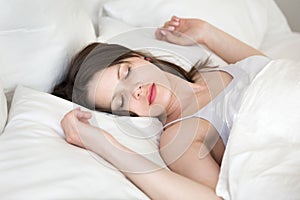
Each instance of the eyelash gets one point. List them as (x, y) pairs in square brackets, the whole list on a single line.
[(122, 101), (128, 71), (122, 97)]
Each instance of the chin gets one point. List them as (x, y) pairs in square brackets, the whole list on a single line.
[(157, 110)]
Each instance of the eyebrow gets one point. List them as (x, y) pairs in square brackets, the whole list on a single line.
[(118, 72)]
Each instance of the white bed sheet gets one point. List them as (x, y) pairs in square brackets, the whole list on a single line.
[(31, 163)]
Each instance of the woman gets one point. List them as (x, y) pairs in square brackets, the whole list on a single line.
[(197, 107)]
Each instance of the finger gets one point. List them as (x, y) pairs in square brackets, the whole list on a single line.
[(169, 25), (175, 21), (70, 121), (79, 114), (68, 118), (175, 18), (160, 34), (171, 28), (173, 37), (86, 121), (174, 24), (166, 24), (84, 115), (168, 36)]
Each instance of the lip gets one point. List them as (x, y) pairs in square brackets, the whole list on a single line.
[(152, 94)]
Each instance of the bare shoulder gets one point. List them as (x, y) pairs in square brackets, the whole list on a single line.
[(185, 152), (177, 138), (187, 132)]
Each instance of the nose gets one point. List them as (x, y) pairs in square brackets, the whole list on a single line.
[(138, 92)]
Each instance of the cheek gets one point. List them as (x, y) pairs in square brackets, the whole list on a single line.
[(142, 108), (163, 96), (162, 101), (139, 107)]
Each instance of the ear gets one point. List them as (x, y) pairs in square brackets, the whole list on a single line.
[(147, 58)]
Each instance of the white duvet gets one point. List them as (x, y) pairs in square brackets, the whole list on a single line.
[(262, 158)]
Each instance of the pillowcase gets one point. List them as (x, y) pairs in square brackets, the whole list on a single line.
[(143, 39), (33, 147), (246, 19), (37, 39), (93, 8), (3, 110)]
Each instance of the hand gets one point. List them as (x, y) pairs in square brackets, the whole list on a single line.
[(71, 123), (79, 132), (183, 31)]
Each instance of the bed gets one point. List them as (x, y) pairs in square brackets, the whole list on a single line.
[(37, 41)]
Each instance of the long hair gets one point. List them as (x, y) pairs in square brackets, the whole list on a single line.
[(98, 56)]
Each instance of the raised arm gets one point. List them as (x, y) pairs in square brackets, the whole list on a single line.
[(155, 181), (190, 31)]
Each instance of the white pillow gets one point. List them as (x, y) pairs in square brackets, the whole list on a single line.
[(94, 10), (244, 19), (115, 31), (38, 163), (3, 110), (37, 40)]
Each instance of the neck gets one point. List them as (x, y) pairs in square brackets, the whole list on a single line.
[(187, 98)]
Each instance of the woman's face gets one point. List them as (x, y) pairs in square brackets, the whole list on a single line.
[(135, 85)]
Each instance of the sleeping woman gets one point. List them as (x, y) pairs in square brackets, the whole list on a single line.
[(196, 107)]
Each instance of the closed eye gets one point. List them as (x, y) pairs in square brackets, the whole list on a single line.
[(122, 102), (118, 102), (124, 70), (128, 71)]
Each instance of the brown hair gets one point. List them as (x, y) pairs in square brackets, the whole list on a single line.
[(98, 56)]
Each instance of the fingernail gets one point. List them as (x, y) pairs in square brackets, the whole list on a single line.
[(163, 32), (175, 23), (171, 28)]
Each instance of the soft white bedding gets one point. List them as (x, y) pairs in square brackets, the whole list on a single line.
[(285, 46), (262, 156), (38, 39), (3, 110), (37, 162)]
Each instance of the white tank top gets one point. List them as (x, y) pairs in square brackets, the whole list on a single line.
[(221, 111)]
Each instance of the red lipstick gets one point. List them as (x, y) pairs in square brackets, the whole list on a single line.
[(152, 94)]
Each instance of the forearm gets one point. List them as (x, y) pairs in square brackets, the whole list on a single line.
[(226, 46), (157, 182), (165, 184)]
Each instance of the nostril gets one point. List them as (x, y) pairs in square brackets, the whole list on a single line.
[(139, 91)]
